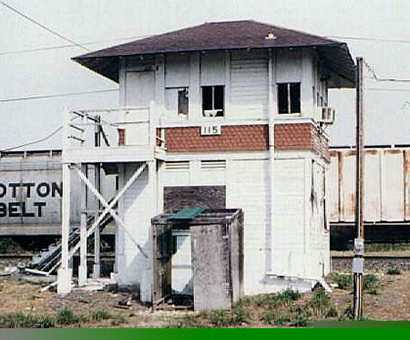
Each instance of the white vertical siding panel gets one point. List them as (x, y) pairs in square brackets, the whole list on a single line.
[(372, 186), (332, 183), (135, 210), (249, 190), (393, 186), (177, 70), (249, 85), (213, 69), (348, 187), (288, 228)]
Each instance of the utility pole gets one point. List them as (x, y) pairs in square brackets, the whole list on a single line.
[(358, 260)]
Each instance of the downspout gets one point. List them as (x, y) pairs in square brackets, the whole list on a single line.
[(271, 129)]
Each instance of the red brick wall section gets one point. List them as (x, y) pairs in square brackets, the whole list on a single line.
[(320, 144), (301, 136), (292, 136), (232, 138)]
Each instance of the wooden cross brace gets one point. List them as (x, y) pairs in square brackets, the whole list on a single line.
[(109, 206)]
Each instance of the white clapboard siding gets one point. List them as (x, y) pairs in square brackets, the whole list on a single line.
[(289, 210), (135, 208), (248, 188), (249, 85)]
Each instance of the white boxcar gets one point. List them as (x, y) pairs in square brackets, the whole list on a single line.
[(386, 184)]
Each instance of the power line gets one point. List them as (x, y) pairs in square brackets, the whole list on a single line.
[(386, 90), (54, 132), (377, 78), (56, 47), (17, 99), (400, 41), (42, 26)]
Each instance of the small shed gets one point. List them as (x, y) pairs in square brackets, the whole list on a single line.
[(211, 253)]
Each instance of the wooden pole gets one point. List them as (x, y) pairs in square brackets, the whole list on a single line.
[(358, 260)]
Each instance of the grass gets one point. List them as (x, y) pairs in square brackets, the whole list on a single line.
[(64, 317), (371, 283), (8, 245), (393, 271), (21, 320), (287, 308), (343, 281), (321, 305), (100, 315), (271, 300)]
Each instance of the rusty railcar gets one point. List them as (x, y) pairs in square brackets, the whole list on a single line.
[(386, 181)]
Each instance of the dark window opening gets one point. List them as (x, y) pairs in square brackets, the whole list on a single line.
[(289, 98), (213, 101), (183, 102), (295, 98)]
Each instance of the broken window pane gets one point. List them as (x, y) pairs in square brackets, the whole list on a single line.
[(183, 102)]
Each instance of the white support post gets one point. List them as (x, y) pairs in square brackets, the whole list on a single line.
[(97, 241), (153, 123), (64, 274), (82, 270), (270, 232)]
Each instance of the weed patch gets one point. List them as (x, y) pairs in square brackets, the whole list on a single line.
[(393, 271), (21, 320), (66, 317)]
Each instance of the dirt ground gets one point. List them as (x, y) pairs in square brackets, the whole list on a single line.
[(392, 302), (18, 296)]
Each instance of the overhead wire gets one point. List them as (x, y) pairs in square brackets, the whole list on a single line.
[(56, 47), (58, 95), (44, 27)]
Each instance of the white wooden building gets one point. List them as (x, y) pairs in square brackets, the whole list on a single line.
[(237, 109)]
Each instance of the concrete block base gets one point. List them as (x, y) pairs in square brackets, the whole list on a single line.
[(64, 281)]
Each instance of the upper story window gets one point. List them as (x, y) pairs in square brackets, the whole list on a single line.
[(177, 101), (288, 98), (213, 101)]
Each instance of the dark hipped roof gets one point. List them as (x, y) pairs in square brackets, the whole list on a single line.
[(231, 35)]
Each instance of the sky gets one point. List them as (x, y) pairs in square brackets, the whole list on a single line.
[(107, 23)]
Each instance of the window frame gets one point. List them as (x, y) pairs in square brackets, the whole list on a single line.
[(289, 97)]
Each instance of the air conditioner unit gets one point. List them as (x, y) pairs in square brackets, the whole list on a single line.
[(327, 115)]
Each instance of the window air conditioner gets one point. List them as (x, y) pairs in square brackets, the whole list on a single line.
[(327, 115)]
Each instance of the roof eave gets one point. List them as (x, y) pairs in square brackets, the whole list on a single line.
[(108, 66)]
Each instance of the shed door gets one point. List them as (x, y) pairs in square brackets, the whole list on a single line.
[(181, 263)]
